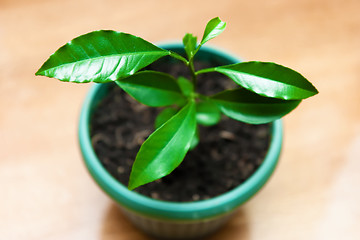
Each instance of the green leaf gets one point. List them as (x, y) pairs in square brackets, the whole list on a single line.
[(207, 113), (213, 28), (165, 148), (189, 42), (268, 79), (152, 88), (195, 140), (168, 113), (186, 86), (243, 105), (100, 56), (164, 116)]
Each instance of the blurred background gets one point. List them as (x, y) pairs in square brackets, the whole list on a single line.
[(45, 190)]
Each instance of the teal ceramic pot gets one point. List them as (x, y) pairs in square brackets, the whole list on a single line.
[(174, 220)]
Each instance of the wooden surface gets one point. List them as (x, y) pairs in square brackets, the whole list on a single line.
[(45, 191)]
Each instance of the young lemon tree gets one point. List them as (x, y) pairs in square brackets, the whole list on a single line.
[(266, 91)]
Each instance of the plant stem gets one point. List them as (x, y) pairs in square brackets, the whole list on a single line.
[(192, 68), (189, 63), (178, 57), (192, 71)]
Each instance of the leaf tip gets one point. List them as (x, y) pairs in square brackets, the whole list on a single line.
[(39, 72), (133, 184), (217, 19), (315, 90), (131, 187)]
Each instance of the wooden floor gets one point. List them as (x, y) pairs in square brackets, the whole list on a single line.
[(45, 191)]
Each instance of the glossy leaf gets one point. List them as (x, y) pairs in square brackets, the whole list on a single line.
[(243, 105), (268, 79), (164, 149), (207, 113), (186, 86), (100, 56), (189, 42), (195, 140), (152, 88), (164, 116), (213, 28), (168, 113)]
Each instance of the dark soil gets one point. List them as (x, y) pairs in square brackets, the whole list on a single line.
[(226, 156)]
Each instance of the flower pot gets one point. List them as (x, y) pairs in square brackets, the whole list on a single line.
[(171, 219)]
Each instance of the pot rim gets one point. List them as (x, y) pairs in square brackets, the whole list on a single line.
[(144, 205)]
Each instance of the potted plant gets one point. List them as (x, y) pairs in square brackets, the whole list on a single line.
[(264, 93)]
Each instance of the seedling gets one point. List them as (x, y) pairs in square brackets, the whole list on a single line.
[(266, 91)]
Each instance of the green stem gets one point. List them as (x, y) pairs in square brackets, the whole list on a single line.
[(207, 70), (192, 71), (192, 68), (179, 57), (189, 63)]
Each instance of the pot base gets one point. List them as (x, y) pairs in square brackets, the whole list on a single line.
[(171, 230)]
